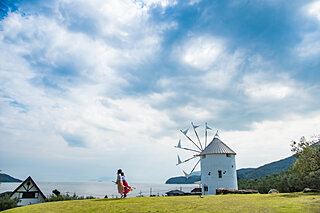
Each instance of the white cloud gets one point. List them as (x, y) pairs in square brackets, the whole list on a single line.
[(310, 44), (66, 118), (192, 2), (313, 9), (267, 87), (224, 71), (162, 3), (201, 52), (268, 141)]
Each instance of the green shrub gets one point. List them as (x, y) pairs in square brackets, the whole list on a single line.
[(7, 203), (56, 196)]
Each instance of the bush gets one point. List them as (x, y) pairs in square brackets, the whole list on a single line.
[(7, 203), (56, 196)]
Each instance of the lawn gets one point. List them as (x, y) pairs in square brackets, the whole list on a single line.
[(293, 202)]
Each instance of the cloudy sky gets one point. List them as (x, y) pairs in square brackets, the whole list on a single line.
[(87, 87)]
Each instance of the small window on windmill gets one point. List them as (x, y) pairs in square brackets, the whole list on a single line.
[(219, 173), (228, 155), (203, 156), (205, 188)]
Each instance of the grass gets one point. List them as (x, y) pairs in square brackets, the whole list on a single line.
[(293, 202)]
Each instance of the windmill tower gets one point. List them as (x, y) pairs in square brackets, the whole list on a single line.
[(218, 165)]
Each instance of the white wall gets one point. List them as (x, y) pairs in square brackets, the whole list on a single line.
[(209, 172)]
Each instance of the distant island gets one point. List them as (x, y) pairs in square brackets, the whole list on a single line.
[(242, 174), (4, 178)]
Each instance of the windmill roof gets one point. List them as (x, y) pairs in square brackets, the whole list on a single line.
[(216, 146)]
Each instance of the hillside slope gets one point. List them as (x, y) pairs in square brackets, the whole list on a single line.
[(8, 178), (295, 202), (267, 169)]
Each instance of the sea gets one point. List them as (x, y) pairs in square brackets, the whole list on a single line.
[(102, 189)]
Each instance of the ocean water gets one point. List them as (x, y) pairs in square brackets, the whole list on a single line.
[(100, 189)]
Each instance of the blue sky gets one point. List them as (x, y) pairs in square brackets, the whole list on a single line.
[(87, 87)]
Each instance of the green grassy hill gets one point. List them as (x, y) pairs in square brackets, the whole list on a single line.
[(295, 202)]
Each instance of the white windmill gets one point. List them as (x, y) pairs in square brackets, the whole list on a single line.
[(218, 166)]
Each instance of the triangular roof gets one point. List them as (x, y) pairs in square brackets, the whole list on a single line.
[(216, 146), (34, 184)]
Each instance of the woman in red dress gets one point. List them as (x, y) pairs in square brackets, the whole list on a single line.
[(127, 188)]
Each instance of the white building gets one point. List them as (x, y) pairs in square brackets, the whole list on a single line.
[(218, 167), (28, 193)]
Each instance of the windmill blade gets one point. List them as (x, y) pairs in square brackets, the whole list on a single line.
[(216, 135), (179, 144), (206, 135), (179, 161), (191, 140), (194, 167), (186, 174), (194, 126), (207, 127), (187, 149), (185, 131), (195, 132)]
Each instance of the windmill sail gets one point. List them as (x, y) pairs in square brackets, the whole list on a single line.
[(186, 174), (207, 127), (188, 149), (187, 159), (179, 144), (179, 160), (216, 135), (185, 131), (191, 140), (206, 135), (195, 132), (194, 166), (194, 126), (199, 146)]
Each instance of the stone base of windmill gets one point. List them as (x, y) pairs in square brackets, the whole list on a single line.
[(234, 191)]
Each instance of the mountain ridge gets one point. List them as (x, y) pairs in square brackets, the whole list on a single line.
[(4, 178)]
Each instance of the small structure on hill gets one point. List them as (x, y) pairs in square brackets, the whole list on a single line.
[(196, 191), (175, 193), (273, 191), (28, 193)]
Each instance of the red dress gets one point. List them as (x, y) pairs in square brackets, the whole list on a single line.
[(127, 188)]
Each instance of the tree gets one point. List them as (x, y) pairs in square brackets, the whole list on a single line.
[(56, 192), (7, 203), (308, 154)]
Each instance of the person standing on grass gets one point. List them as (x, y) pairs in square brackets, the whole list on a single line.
[(120, 183), (127, 188)]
